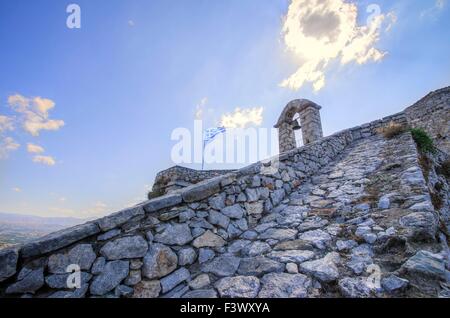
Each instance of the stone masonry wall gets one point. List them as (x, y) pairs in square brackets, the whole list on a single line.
[(155, 248), (178, 177), (432, 113), (167, 246)]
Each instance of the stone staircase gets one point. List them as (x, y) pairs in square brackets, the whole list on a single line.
[(349, 215), (344, 233)]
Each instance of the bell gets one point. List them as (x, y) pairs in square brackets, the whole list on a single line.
[(296, 125)]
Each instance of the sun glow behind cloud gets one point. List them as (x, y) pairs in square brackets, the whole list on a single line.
[(241, 118), (321, 31)]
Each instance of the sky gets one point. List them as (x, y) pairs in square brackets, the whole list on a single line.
[(87, 114)]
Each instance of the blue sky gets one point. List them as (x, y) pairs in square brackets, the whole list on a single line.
[(136, 70)]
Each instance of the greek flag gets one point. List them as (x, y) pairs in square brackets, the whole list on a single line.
[(211, 133)]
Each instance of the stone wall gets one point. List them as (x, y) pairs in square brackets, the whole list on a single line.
[(174, 244), (155, 248), (178, 177), (432, 113)]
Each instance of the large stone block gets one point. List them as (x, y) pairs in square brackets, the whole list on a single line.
[(113, 273), (60, 239), (119, 218), (8, 262), (159, 261), (165, 201), (124, 248), (175, 234), (202, 190)]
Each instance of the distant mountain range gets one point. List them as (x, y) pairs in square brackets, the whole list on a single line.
[(19, 228)]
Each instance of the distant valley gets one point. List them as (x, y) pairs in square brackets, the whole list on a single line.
[(18, 229)]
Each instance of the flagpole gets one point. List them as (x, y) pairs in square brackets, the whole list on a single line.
[(203, 155)]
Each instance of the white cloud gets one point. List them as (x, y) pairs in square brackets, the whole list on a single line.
[(35, 113), (242, 118), (32, 148), (17, 189), (46, 160), (131, 23), (321, 31), (7, 145), (433, 11), (6, 123)]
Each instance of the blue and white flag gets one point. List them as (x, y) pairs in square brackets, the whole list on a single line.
[(211, 133)]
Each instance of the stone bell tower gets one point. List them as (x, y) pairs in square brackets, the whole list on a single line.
[(310, 124)]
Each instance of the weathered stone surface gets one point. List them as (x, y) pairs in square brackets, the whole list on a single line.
[(277, 196), (257, 248), (172, 280), (217, 202), (392, 283), (176, 234), (159, 261), (252, 195), (278, 234), (60, 239), (77, 293), (147, 289), (124, 248), (234, 211), (200, 281), (238, 287), (238, 246), (294, 245), (318, 238), (208, 239), (119, 218), (249, 235), (177, 292), (427, 264), (186, 256), (8, 262), (165, 201), (259, 265), (222, 266), (113, 273), (123, 291), (30, 281), (254, 209), (59, 281), (345, 245), (384, 202), (201, 190), (205, 254), (324, 269), (312, 224), (134, 277), (420, 224), (283, 285), (82, 255), (218, 218), (136, 264), (201, 293), (295, 256), (98, 266), (355, 287), (292, 268), (109, 235)]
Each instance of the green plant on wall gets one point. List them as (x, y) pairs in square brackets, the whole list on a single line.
[(423, 141)]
